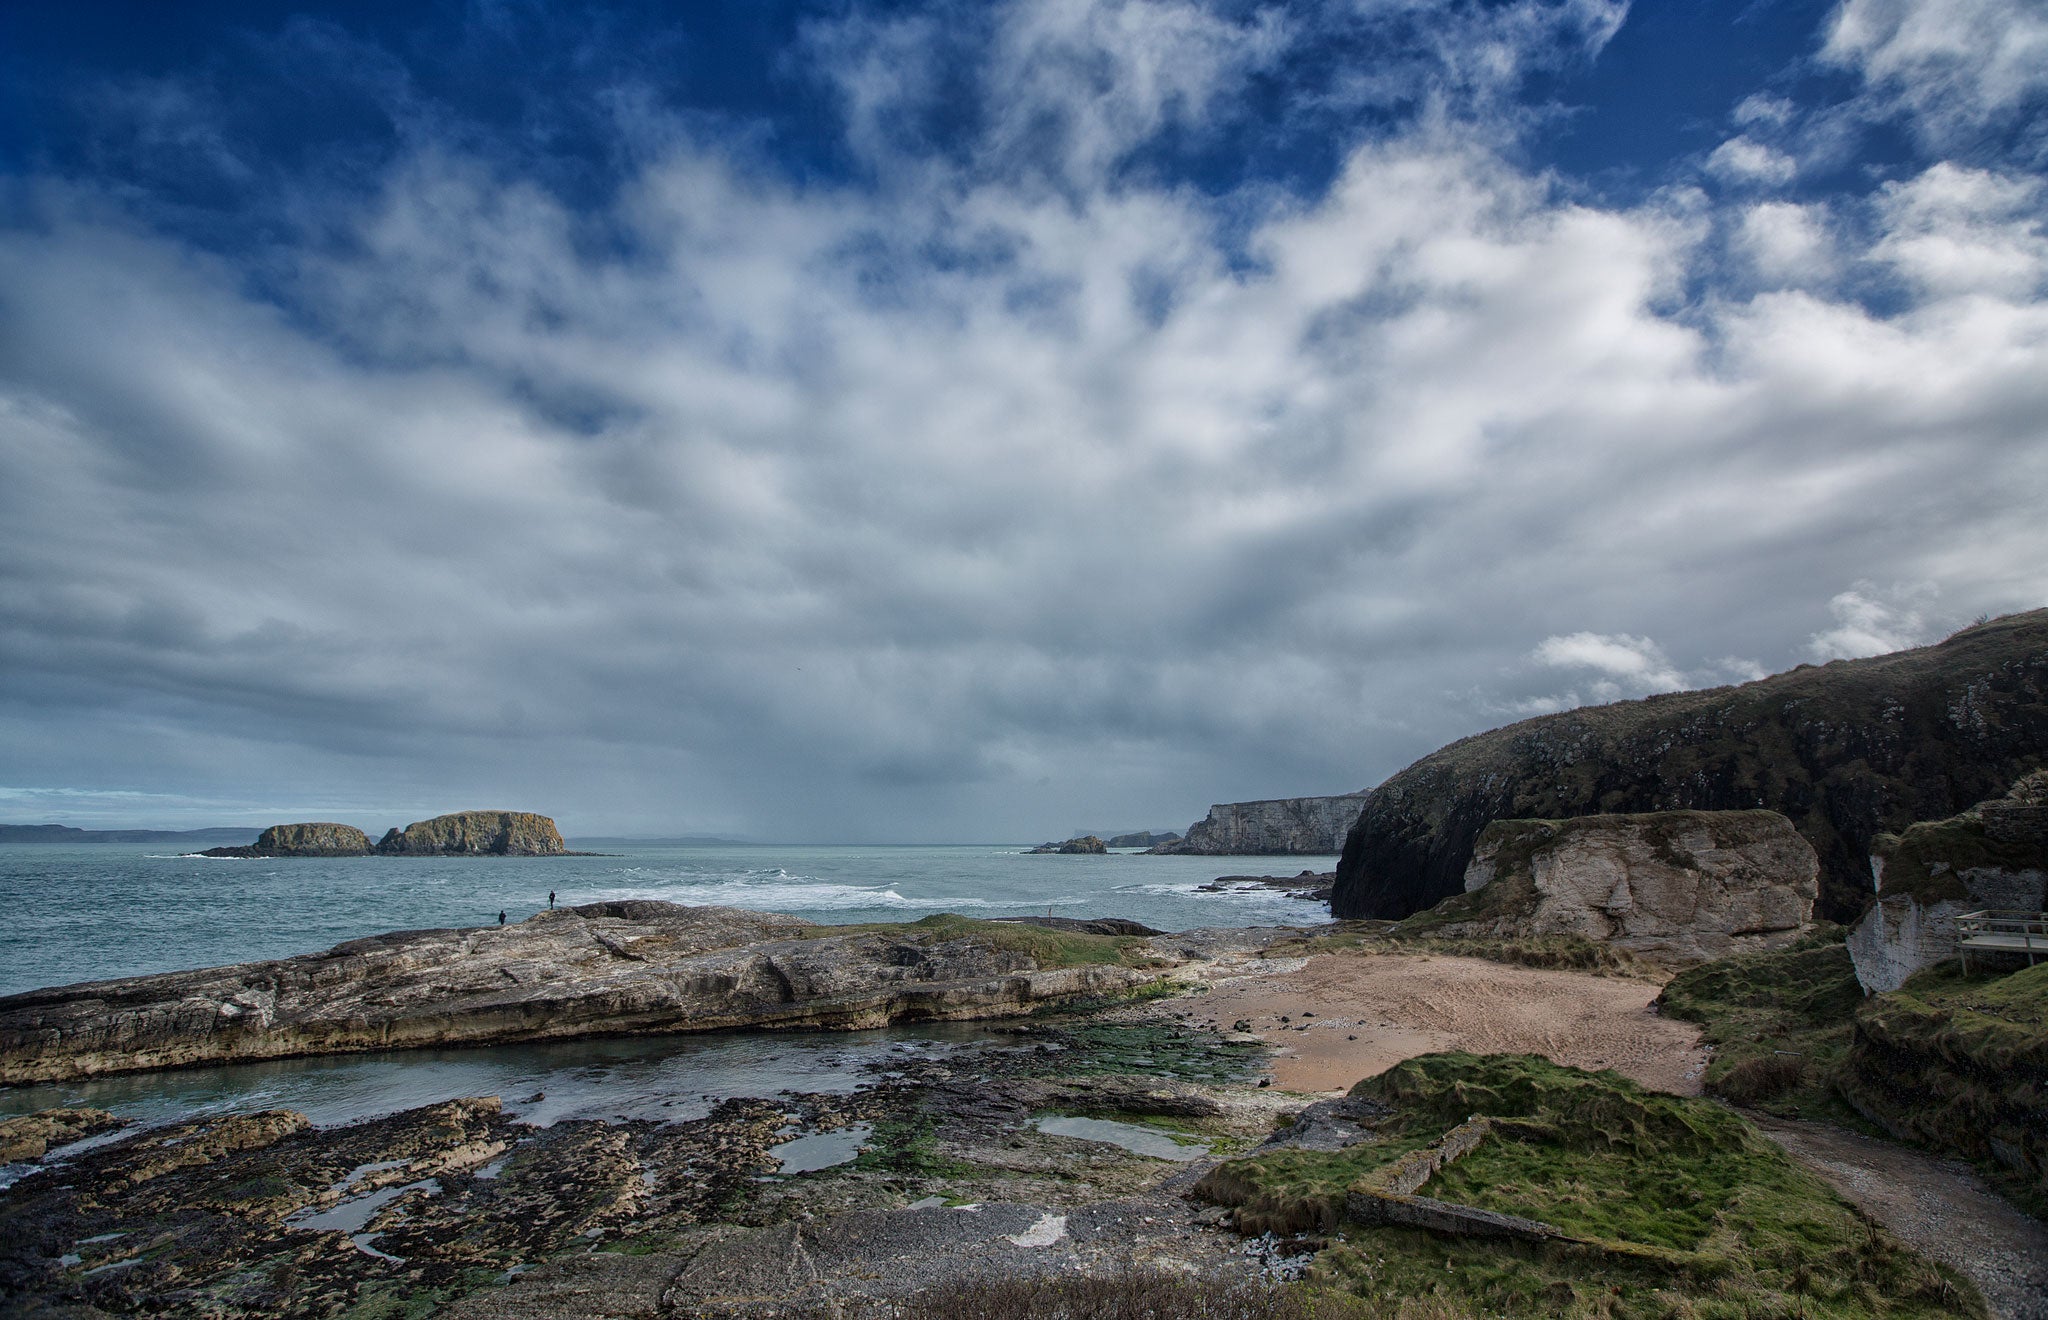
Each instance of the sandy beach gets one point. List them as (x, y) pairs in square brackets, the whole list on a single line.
[(1338, 1017)]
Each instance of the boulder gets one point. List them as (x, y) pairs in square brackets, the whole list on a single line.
[(476, 834), (1673, 887), (1992, 856)]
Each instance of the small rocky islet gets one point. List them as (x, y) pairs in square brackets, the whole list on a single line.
[(458, 834), (1694, 842)]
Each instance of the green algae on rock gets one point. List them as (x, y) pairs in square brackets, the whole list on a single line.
[(476, 834)]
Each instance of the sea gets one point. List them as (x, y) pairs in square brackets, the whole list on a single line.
[(96, 911)]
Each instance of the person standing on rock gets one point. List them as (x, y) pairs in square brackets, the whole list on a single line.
[(551, 900), (501, 917)]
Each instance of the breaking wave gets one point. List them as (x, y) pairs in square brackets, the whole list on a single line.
[(777, 890)]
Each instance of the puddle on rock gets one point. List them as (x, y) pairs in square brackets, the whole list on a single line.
[(1138, 1140), (821, 1150), (354, 1216)]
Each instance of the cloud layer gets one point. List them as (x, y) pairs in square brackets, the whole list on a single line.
[(1008, 479)]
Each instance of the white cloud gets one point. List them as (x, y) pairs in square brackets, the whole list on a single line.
[(1954, 67), (828, 510), (1952, 230), (1787, 243), (1745, 160), (1870, 621)]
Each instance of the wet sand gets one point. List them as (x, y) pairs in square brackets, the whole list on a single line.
[(1353, 1015)]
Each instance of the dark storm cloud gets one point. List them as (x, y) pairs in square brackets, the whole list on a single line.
[(985, 490)]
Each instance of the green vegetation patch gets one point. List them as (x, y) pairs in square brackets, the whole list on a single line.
[(1780, 1025), (1962, 1062), (1047, 948), (1682, 1207), (1156, 1049), (1573, 953), (1927, 860)]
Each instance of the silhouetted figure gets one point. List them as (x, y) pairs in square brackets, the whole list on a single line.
[(551, 900), (501, 918)]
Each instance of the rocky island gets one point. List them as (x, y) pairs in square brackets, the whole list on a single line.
[(459, 834)]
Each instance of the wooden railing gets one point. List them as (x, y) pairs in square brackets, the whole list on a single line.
[(1997, 930)]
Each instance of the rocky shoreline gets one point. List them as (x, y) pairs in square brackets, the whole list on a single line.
[(619, 968)]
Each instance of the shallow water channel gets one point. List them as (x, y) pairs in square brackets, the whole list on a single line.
[(661, 1078)]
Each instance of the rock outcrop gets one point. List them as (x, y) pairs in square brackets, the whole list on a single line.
[(313, 839), (1992, 856), (1278, 826), (1086, 843), (619, 968), (1847, 750), (1143, 839), (476, 834), (1673, 887), (31, 1136)]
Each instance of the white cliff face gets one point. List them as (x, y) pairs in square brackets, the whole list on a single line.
[(1312, 826), (1678, 888), (1993, 857)]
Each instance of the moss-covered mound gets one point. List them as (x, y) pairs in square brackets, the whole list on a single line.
[(1927, 860), (1680, 1207), (1779, 1024), (1847, 750), (476, 834), (1961, 1062)]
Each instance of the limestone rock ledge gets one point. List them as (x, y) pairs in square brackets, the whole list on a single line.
[(1674, 887), (617, 968)]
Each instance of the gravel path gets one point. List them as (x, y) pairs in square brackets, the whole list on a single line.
[(1939, 1206)]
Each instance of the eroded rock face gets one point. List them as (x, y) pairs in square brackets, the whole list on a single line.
[(1677, 887), (1846, 750), (1993, 856), (476, 833), (617, 968), (1278, 826)]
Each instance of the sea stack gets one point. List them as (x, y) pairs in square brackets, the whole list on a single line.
[(319, 838), (476, 834)]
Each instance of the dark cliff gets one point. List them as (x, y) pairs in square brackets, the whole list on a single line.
[(1847, 750), (476, 833)]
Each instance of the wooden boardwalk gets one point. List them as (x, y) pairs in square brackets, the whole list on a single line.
[(1997, 931)]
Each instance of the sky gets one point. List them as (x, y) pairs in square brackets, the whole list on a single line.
[(979, 421)]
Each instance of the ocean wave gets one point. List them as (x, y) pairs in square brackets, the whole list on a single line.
[(1194, 888), (784, 893)]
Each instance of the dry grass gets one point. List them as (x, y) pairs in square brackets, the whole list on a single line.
[(1132, 1295)]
